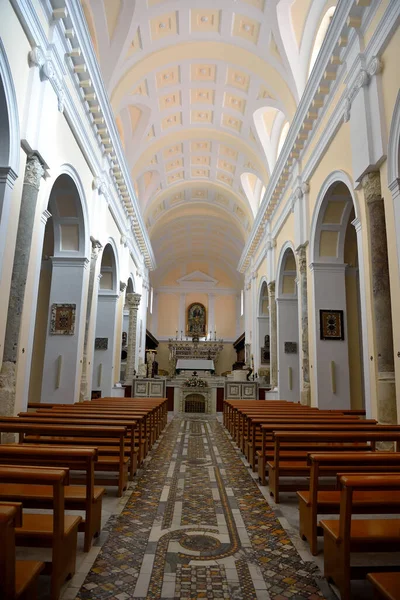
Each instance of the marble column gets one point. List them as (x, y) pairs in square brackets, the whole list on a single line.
[(305, 393), (273, 336), (30, 191), (132, 301), (381, 304), (96, 247)]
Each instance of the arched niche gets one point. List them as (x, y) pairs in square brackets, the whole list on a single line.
[(288, 326), (130, 289), (262, 351), (103, 377), (60, 313), (340, 369), (9, 146)]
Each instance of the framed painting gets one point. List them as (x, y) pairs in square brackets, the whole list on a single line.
[(101, 343), (62, 319), (196, 319), (331, 324)]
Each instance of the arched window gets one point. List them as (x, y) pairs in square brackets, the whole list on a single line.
[(254, 190), (319, 38)]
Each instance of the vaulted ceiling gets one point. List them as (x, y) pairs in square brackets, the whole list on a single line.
[(202, 94)]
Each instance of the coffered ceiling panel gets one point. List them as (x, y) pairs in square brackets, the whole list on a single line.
[(191, 79)]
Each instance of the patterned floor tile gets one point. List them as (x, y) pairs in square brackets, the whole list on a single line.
[(196, 498)]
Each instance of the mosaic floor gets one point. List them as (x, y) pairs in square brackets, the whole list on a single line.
[(197, 526)]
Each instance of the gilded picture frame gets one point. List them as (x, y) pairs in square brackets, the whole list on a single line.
[(331, 324), (62, 319)]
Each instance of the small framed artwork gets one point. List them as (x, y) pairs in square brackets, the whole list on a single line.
[(331, 324), (62, 319), (290, 347), (101, 343)]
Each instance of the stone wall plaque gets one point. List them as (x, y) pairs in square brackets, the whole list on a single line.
[(101, 344), (62, 319), (290, 347)]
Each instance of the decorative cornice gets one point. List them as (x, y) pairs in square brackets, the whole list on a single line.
[(69, 261), (45, 216), (307, 115), (8, 176), (69, 27)]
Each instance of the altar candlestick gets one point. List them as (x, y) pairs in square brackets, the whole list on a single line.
[(181, 334), (176, 334), (215, 335), (210, 336)]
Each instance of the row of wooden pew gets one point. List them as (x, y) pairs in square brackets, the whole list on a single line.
[(331, 459), (64, 456)]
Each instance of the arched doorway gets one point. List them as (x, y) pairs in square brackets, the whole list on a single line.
[(263, 345), (59, 331), (288, 328), (104, 344), (338, 341)]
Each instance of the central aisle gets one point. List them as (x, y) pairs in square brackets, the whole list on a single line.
[(197, 526)]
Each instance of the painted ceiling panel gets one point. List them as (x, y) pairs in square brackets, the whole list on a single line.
[(190, 79)]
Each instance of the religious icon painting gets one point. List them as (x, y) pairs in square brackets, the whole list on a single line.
[(196, 319), (62, 319), (331, 325)]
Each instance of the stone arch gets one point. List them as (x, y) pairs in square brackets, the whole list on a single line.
[(62, 281), (288, 352), (340, 373), (67, 206), (394, 170), (109, 268), (9, 120), (9, 145), (335, 177)]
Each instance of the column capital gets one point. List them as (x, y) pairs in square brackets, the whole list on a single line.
[(302, 257), (34, 171), (96, 247), (371, 184), (133, 301), (271, 288)]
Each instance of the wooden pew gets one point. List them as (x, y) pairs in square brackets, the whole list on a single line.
[(71, 418), (304, 445), (314, 501), (386, 585), (345, 536), (18, 578), (56, 531), (280, 468), (87, 497), (79, 435), (257, 443)]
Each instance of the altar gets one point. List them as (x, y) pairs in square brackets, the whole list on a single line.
[(192, 368), (200, 365)]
